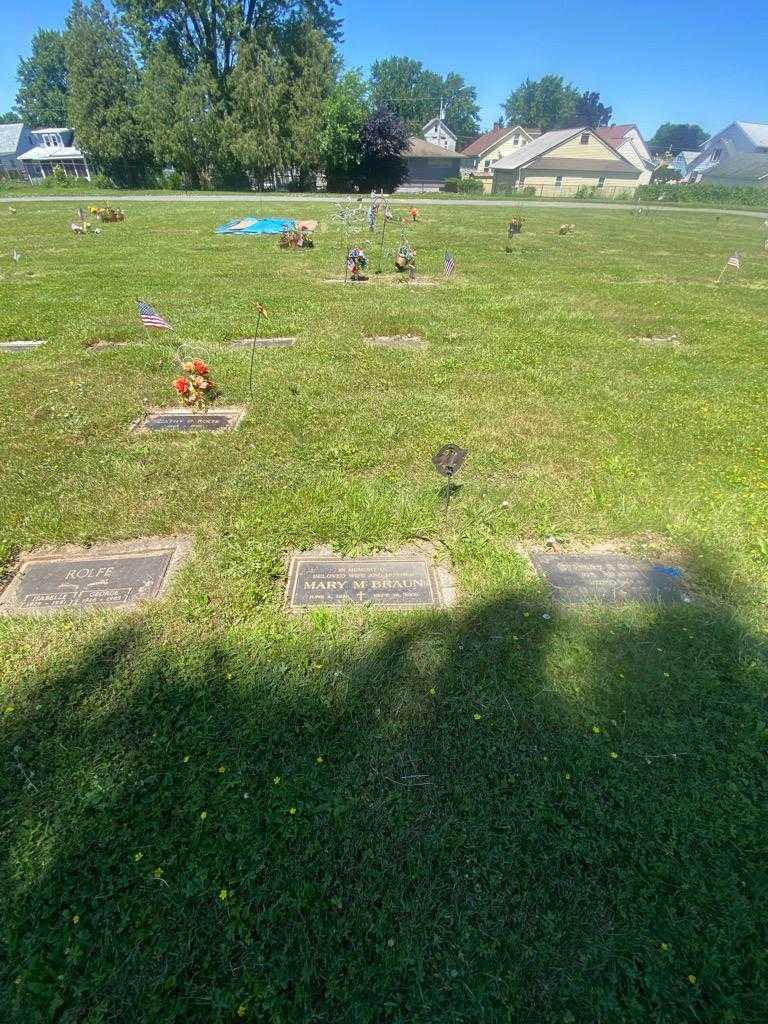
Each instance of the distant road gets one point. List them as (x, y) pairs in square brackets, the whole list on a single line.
[(266, 197)]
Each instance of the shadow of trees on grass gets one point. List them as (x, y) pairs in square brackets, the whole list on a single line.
[(439, 866)]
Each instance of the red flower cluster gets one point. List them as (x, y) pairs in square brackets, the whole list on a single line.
[(196, 388)]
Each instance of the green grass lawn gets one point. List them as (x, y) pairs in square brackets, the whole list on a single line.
[(503, 813)]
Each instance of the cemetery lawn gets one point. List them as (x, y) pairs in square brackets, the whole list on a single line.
[(213, 811)]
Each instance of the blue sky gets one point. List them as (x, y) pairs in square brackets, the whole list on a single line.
[(703, 62)]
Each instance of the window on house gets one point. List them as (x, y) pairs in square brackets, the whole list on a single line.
[(559, 181), (516, 140), (717, 153), (487, 164), (601, 181), (584, 140)]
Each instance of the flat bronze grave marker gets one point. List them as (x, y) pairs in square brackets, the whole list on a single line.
[(89, 579), (609, 579), (19, 346), (187, 421), (393, 583), (406, 341), (263, 343)]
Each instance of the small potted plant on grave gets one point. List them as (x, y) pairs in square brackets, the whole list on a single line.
[(194, 387), (515, 226), (405, 260)]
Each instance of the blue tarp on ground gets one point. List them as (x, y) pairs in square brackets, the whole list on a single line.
[(255, 226)]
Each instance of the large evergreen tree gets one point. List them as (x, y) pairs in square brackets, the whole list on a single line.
[(414, 93), (103, 92), (256, 127), (311, 77), (42, 96)]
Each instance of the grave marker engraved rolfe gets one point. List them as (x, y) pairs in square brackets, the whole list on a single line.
[(48, 583), (609, 579), (392, 583), (185, 420), (406, 341)]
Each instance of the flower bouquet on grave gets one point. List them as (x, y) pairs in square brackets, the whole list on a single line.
[(195, 388), (515, 226), (357, 262)]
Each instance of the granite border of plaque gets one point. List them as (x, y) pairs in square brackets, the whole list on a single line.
[(404, 580), (672, 341), (608, 577), (20, 345), (187, 421), (410, 342), (104, 576), (106, 346), (248, 343)]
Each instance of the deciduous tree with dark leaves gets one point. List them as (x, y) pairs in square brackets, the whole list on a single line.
[(384, 141)]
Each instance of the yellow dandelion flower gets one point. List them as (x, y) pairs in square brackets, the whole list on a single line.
[(568, 776), (292, 810), (229, 675), (319, 760), (10, 709), (241, 1011), (223, 894), (277, 780), (432, 691), (222, 769), (138, 856), (526, 615), (477, 717), (185, 759), (76, 919), (614, 755), (664, 947), (596, 729), (158, 872), (692, 979), (203, 815)]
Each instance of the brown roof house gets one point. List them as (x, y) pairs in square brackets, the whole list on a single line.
[(564, 162), (428, 166)]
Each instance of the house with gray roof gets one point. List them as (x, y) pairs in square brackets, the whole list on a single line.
[(740, 138), (561, 163), (51, 148), (738, 169), (14, 139)]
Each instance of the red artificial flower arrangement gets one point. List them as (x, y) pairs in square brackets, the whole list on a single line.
[(195, 389)]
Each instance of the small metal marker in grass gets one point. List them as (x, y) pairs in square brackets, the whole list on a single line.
[(188, 421), (261, 311), (448, 460), (252, 343)]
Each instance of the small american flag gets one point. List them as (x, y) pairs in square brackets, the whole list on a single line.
[(735, 261), (448, 264), (150, 318)]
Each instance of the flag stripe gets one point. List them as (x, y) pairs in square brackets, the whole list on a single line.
[(150, 318)]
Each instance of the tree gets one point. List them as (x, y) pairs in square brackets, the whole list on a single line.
[(256, 124), (550, 103), (674, 138), (211, 31), (42, 77), (311, 77), (414, 93), (384, 140), (103, 91), (590, 112), (12, 117), (346, 111)]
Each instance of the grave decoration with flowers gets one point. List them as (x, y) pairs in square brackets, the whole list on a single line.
[(195, 387)]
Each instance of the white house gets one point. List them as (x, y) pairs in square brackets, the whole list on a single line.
[(684, 161), (14, 139), (438, 133), (628, 141), (478, 158), (739, 138), (53, 147)]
